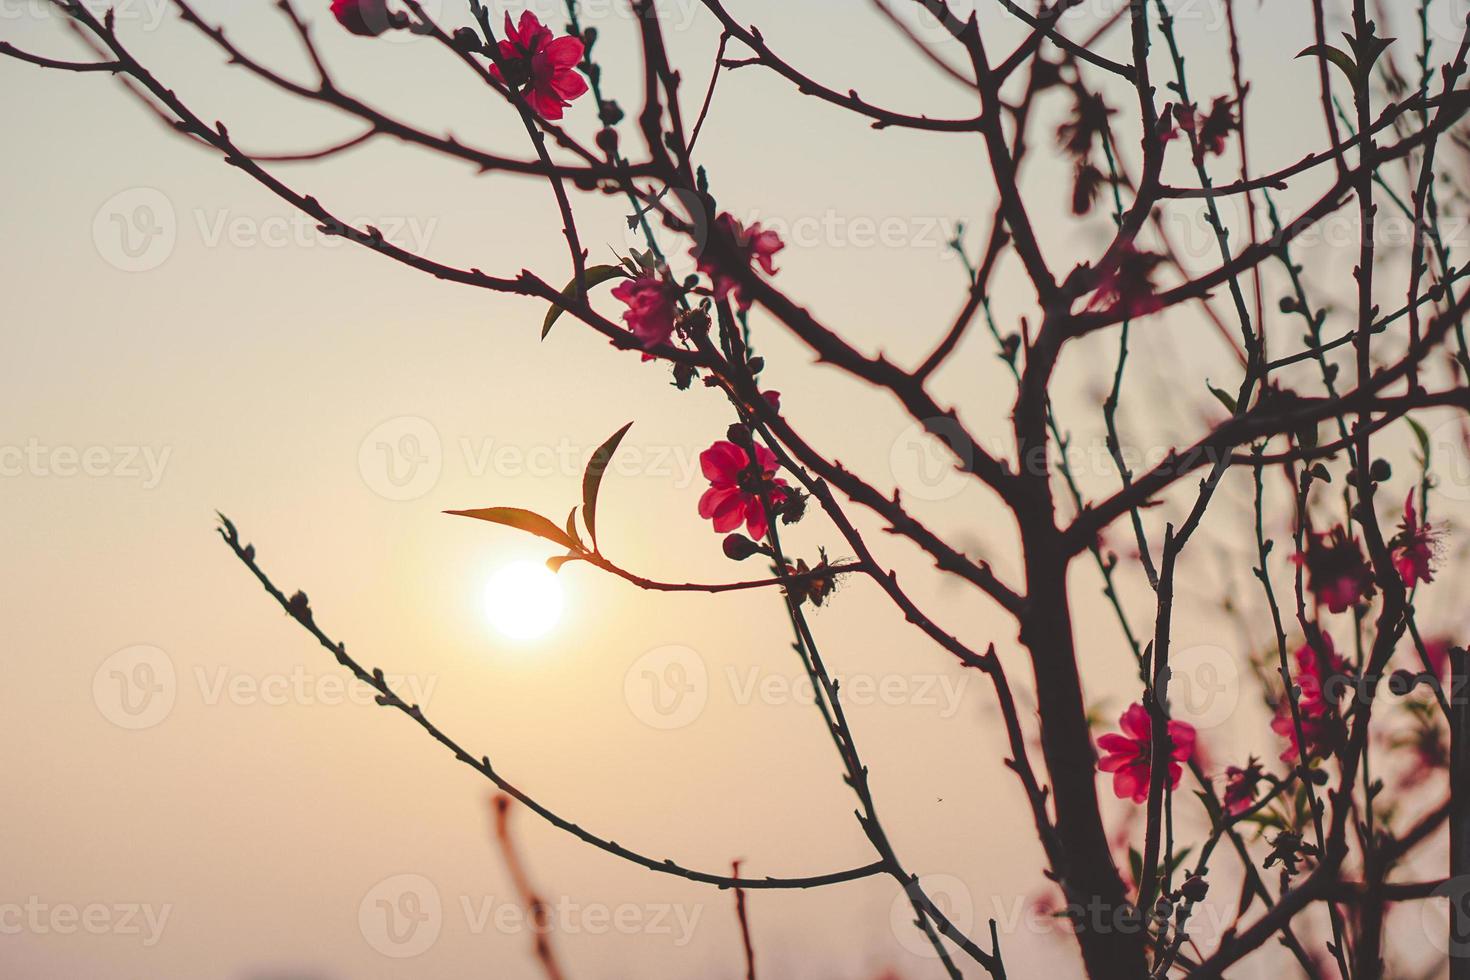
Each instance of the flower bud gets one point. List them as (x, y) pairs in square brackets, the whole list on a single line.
[(1194, 888), (738, 547), (607, 140)]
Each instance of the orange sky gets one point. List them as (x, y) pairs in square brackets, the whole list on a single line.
[(177, 342)]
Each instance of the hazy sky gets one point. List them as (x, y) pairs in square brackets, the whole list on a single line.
[(188, 771)]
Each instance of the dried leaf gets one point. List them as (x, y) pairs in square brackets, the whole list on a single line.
[(523, 520)]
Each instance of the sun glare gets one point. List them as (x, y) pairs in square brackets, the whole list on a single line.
[(524, 600)]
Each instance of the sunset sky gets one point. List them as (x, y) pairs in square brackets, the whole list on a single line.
[(179, 342)]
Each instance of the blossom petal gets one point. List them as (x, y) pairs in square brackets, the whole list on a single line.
[(722, 463), (713, 499), (564, 52)]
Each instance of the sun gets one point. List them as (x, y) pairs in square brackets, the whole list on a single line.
[(524, 600)]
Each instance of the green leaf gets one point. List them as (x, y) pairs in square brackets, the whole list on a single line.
[(1247, 899), (1338, 57), (592, 479), (1222, 397), (523, 520), (596, 275), (1368, 48), (1423, 438)]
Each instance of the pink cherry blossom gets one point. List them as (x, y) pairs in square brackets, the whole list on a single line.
[(541, 65), (368, 18), (1127, 755), (1413, 547), (1240, 788), (1339, 576), (653, 305), (1129, 289), (737, 486), (755, 246), (1317, 705)]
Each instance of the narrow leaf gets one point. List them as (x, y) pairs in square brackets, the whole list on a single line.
[(556, 562), (1338, 57), (592, 479), (596, 275), (1223, 397), (572, 529), (1423, 438), (523, 520)]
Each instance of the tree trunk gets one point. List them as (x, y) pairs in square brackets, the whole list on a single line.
[(1108, 929), (1459, 890)]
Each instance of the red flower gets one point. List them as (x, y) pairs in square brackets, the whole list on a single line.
[(1129, 289), (653, 304), (1210, 133), (542, 66), (1437, 652), (1220, 123), (737, 486), (366, 17), (1240, 787), (754, 245), (1413, 547), (1339, 575), (1127, 755), (1317, 705)]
